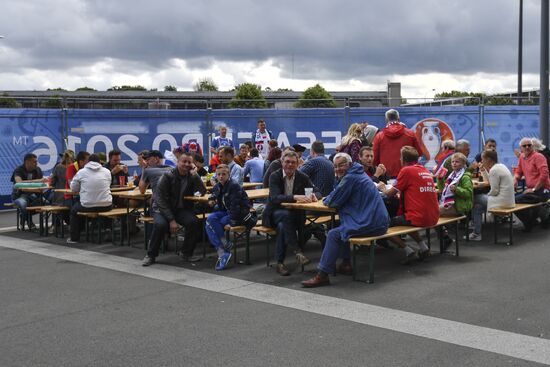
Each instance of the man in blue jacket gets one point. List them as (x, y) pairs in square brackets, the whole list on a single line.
[(362, 213)]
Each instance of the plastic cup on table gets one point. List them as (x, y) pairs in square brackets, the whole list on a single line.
[(308, 191)]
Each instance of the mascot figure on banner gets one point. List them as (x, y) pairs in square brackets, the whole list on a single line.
[(430, 133)]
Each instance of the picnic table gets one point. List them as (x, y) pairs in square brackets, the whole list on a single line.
[(133, 195), (252, 195)]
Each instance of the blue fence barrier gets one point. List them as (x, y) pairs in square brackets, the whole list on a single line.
[(48, 132)]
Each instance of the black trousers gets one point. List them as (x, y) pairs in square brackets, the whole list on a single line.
[(75, 220)]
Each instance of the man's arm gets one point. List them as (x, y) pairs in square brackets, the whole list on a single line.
[(340, 194), (276, 191)]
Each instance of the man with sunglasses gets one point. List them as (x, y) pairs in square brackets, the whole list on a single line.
[(533, 166)]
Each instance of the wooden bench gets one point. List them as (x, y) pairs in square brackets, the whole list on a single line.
[(55, 212), (357, 242), (509, 213)]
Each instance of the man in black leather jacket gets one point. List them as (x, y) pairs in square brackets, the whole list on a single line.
[(171, 211)]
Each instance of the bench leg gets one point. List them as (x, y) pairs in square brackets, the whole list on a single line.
[(495, 220), (511, 222), (428, 238), (354, 262), (247, 251), (456, 237), (267, 251), (371, 263)]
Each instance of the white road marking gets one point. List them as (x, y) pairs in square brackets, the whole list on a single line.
[(476, 337), (8, 229)]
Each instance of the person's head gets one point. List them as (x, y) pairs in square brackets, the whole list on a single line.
[(409, 155), (526, 146), (392, 115), (249, 144), (354, 133), (154, 158), (537, 144), (290, 162), (448, 145), (223, 131), (82, 158), (463, 146), (491, 144), (185, 163), (68, 157), (317, 148), (458, 161), (243, 150), (366, 156), (141, 160), (273, 143), (342, 162), (102, 157), (114, 157), (226, 154), (30, 161), (489, 158), (222, 173), (300, 149), (198, 160), (261, 125), (369, 132), (274, 154), (94, 158), (254, 153)]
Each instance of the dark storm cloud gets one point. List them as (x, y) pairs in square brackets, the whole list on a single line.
[(332, 40)]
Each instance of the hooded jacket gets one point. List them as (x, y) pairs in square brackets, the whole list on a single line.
[(388, 143), (359, 203), (94, 184), (232, 198)]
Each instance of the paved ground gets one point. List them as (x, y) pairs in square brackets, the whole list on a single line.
[(94, 305)]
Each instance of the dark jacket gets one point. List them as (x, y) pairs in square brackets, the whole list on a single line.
[(233, 199), (171, 188), (273, 166), (277, 193)]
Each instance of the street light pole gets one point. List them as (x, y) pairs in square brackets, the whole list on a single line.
[(520, 50), (543, 100)]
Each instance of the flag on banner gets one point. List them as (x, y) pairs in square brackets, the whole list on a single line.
[(169, 158)]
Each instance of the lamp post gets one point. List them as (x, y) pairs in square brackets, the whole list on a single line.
[(520, 51), (543, 88)]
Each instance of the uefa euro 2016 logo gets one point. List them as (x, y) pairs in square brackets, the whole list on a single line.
[(430, 133)]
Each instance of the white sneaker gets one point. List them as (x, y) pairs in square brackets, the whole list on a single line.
[(474, 237), (71, 242)]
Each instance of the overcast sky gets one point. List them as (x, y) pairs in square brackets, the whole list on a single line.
[(345, 45)]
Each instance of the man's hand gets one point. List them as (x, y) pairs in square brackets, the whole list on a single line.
[(302, 199), (211, 203), (174, 227), (227, 227), (380, 170), (381, 186)]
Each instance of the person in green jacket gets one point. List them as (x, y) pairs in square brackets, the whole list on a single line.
[(457, 190)]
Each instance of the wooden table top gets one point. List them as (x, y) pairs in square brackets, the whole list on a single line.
[(134, 194), (252, 195), (37, 190), (114, 190), (317, 206)]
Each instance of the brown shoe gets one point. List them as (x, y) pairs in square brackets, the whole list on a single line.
[(317, 281), (302, 259), (344, 268), (282, 270)]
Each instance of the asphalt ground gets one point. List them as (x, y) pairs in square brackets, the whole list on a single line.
[(61, 311)]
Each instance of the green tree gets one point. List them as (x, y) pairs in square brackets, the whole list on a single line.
[(8, 102), (478, 97), (284, 90), (54, 102), (205, 85), (56, 89), (315, 96), (170, 88), (248, 96), (85, 89), (123, 88)]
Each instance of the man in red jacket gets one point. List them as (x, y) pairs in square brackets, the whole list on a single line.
[(388, 143)]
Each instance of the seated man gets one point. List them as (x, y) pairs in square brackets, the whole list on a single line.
[(227, 154), (376, 173), (319, 169), (171, 211), (119, 171), (93, 182), (287, 185), (27, 172), (533, 166), (243, 155), (231, 208), (490, 144), (501, 182), (361, 211), (418, 197), (153, 171), (254, 166)]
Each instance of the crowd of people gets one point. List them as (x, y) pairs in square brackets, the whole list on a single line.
[(374, 181)]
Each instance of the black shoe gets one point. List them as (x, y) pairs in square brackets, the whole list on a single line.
[(447, 242), (148, 261), (190, 258), (424, 255)]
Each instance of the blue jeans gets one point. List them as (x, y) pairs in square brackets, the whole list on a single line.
[(286, 223), (480, 207), (214, 227), (336, 247), (22, 202)]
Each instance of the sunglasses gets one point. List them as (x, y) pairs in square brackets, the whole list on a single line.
[(527, 145)]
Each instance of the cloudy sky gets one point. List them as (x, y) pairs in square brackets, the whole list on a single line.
[(343, 45)]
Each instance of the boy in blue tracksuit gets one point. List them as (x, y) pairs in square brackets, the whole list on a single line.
[(231, 208), (362, 213)]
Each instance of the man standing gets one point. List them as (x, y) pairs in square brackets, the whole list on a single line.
[(27, 172), (362, 213), (254, 167), (220, 141), (388, 143), (533, 166), (93, 182), (287, 185), (171, 211), (319, 169), (261, 138), (235, 171), (117, 169)]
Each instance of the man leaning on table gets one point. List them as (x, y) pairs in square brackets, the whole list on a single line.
[(287, 185), (93, 182), (171, 211), (362, 213), (27, 172)]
